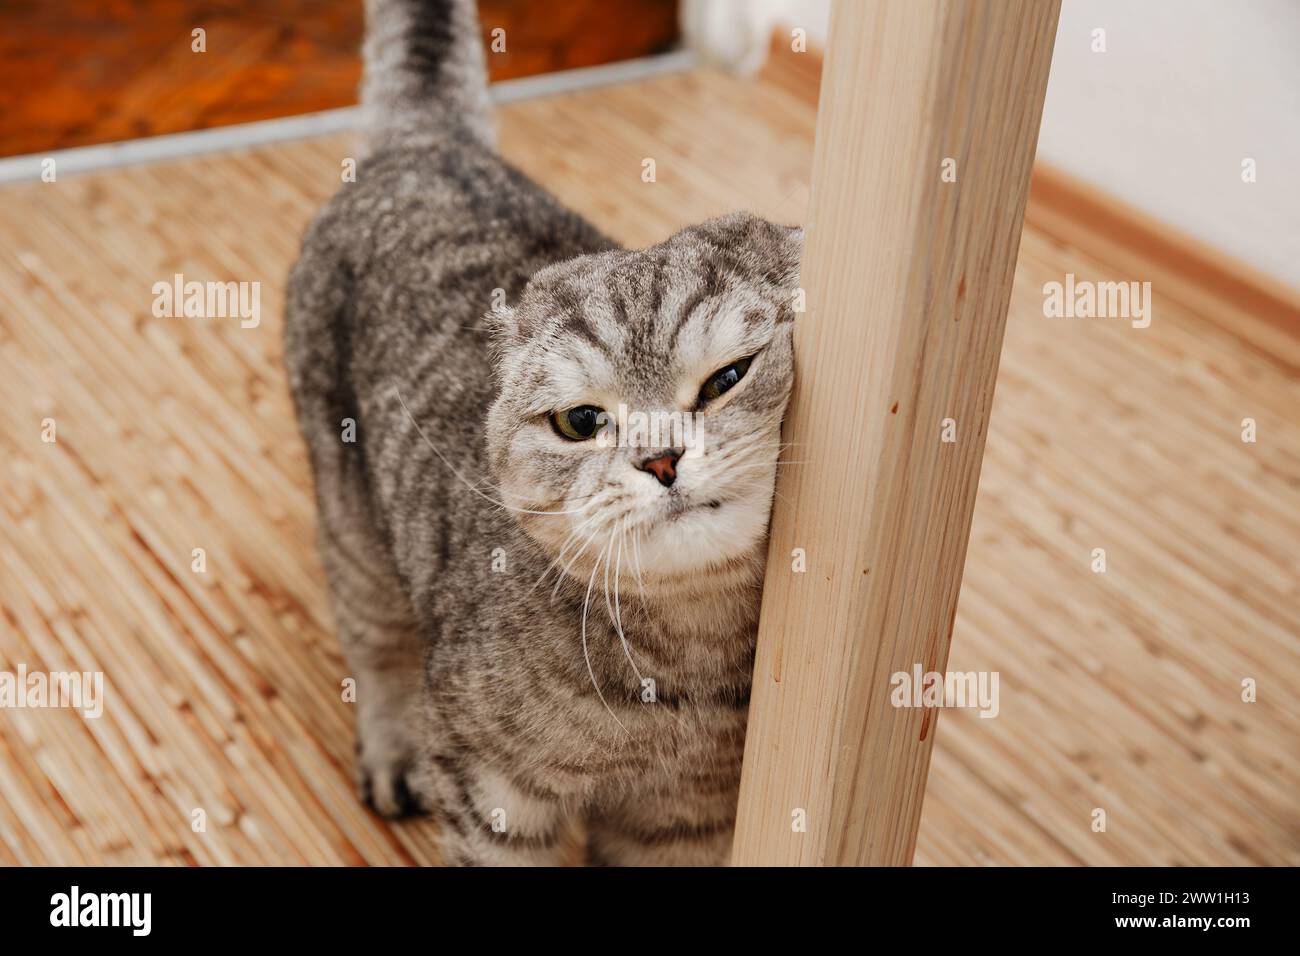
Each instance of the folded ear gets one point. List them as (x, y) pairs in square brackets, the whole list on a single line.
[(766, 250), (791, 254), (502, 326), (503, 334)]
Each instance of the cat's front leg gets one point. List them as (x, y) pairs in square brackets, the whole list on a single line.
[(491, 817), (662, 828), (385, 663), (387, 750), (382, 645)]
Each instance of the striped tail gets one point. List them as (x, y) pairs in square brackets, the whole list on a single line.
[(424, 78)]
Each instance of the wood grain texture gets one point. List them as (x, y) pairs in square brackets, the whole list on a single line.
[(908, 277), (95, 72), (1262, 310), (1119, 690)]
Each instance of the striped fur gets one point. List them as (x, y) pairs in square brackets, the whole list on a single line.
[(482, 695)]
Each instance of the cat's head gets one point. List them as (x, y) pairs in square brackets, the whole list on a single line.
[(638, 418)]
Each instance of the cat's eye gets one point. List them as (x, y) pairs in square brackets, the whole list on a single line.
[(724, 379), (578, 424)]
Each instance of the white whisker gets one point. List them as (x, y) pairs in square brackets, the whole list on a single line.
[(618, 612), (559, 578), (465, 481), (573, 536), (586, 656), (636, 544)]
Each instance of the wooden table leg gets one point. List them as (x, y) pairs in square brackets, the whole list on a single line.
[(928, 121)]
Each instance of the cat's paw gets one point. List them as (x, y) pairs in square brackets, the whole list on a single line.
[(385, 783)]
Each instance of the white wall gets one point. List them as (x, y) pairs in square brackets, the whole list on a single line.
[(736, 33), (1163, 119)]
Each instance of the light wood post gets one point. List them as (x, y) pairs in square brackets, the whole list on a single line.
[(908, 279)]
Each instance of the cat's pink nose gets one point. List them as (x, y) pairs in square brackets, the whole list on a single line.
[(663, 467)]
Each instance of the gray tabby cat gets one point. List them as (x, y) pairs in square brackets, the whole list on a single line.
[(550, 625)]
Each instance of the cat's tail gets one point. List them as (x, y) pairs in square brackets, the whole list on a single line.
[(424, 78)]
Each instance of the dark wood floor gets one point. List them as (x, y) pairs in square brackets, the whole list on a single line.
[(77, 72)]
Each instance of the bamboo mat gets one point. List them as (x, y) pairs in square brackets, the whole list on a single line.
[(1119, 691)]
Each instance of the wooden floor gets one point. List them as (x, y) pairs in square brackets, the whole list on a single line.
[(1119, 691)]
